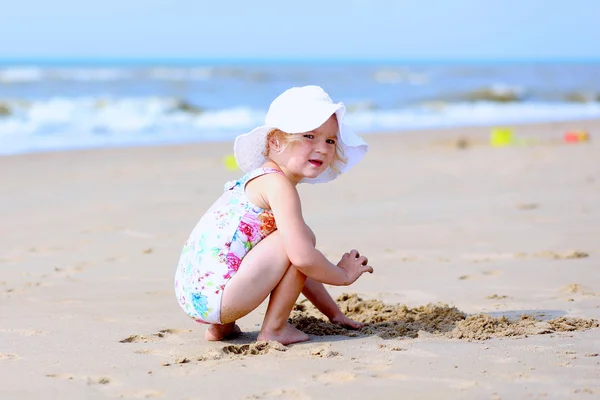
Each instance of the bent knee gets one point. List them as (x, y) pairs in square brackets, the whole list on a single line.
[(313, 238)]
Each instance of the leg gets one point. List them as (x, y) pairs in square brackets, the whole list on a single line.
[(317, 294), (265, 269), (219, 332), (275, 326)]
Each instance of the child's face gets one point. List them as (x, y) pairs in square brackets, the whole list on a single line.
[(311, 156)]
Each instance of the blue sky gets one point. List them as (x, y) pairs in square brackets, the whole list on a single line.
[(372, 29)]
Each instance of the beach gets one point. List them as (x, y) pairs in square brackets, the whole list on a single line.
[(91, 240)]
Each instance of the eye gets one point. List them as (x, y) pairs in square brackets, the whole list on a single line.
[(331, 141), (309, 136)]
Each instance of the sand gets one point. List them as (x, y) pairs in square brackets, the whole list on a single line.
[(397, 321), (486, 280)]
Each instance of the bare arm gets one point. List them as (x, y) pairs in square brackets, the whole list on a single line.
[(284, 201)]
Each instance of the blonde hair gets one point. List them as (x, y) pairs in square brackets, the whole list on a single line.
[(284, 140)]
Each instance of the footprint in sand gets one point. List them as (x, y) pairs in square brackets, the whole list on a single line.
[(527, 206), (153, 337), (575, 288), (497, 297), (391, 254), (452, 383), (555, 255), (486, 257), (103, 380), (61, 376), (142, 394), (91, 380), (45, 249), (482, 275), (257, 348), (332, 377), (565, 255), (10, 260), (324, 352), (281, 394), (68, 271), (24, 332), (144, 351), (389, 375)]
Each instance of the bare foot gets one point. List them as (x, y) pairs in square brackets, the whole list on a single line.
[(286, 335), (346, 322), (217, 332)]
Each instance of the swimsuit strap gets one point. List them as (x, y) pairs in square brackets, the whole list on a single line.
[(241, 183), (261, 171)]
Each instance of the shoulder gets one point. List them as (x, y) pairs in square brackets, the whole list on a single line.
[(265, 189)]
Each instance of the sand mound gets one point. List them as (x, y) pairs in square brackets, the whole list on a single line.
[(563, 255), (575, 288), (261, 347), (153, 336), (392, 321), (481, 326), (387, 321)]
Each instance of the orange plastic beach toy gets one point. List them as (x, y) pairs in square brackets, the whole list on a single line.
[(576, 136)]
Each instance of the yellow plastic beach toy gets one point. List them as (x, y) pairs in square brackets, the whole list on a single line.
[(229, 162), (501, 137)]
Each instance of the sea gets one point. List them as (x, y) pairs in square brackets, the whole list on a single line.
[(82, 104)]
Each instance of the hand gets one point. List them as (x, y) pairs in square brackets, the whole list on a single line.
[(354, 265)]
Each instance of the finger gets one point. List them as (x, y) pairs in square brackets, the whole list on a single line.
[(363, 260), (368, 269), (354, 253)]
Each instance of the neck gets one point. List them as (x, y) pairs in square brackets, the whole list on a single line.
[(292, 178)]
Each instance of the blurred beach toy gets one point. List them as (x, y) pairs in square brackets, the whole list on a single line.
[(576, 136), (229, 162), (501, 137)]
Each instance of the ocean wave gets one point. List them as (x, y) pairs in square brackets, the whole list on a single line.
[(400, 75), (88, 122), (21, 75), (27, 75), (582, 97), (498, 92)]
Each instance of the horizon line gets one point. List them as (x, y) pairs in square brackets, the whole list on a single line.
[(187, 61)]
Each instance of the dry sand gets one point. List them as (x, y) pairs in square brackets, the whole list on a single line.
[(486, 283)]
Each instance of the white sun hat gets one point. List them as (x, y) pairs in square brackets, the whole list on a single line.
[(299, 110)]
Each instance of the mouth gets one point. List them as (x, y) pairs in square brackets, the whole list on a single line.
[(316, 163)]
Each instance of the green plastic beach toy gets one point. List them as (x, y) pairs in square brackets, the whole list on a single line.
[(229, 162), (501, 137)]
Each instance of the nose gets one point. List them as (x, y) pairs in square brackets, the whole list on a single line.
[(322, 146)]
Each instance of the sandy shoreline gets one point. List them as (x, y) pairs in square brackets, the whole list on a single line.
[(90, 241)]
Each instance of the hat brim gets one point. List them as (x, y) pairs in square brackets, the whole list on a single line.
[(249, 148)]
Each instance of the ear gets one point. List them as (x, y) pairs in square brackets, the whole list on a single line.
[(274, 144)]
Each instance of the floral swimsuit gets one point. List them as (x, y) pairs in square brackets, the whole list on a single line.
[(216, 247)]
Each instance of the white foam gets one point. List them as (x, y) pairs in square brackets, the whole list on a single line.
[(400, 75), (88, 122), (470, 114), (21, 74), (181, 74)]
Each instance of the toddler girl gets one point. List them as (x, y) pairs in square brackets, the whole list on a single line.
[(253, 241)]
